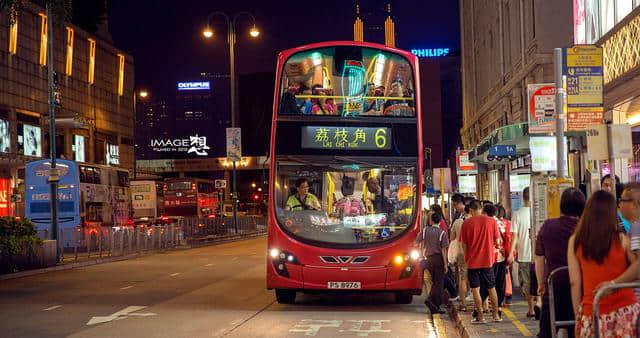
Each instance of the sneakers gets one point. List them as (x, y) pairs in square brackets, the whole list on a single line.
[(454, 298), (478, 321)]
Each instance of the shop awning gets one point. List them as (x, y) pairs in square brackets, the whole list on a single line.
[(513, 134)]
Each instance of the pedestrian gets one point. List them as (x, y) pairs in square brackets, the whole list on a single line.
[(629, 208), (521, 245), (434, 244), (443, 223), (506, 240), (479, 236), (551, 253), (598, 252), (500, 254), (457, 201), (458, 255)]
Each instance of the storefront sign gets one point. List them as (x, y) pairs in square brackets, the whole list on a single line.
[(542, 108), (584, 74), (5, 197), (430, 52), (579, 22), (204, 85), (234, 144), (354, 138), (467, 184), (464, 165), (113, 154)]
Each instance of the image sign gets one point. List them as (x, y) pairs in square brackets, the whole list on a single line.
[(234, 144)]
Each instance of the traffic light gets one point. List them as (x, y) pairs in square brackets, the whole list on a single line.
[(256, 197)]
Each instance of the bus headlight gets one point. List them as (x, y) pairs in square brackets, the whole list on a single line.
[(274, 253), (398, 259), (414, 254)]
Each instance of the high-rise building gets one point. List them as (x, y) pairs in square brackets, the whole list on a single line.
[(506, 45)]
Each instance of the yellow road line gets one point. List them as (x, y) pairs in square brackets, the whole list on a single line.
[(439, 325), (523, 329)]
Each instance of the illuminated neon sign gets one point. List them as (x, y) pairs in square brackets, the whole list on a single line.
[(430, 52), (205, 85), (354, 86)]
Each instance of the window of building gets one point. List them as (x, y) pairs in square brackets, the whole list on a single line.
[(120, 74), (92, 60), (69, 65), (623, 8), (78, 148), (13, 37), (29, 140), (43, 39), (4, 136), (113, 154)]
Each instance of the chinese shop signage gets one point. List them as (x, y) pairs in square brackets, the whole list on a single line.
[(355, 138)]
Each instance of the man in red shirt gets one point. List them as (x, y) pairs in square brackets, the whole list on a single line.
[(479, 237)]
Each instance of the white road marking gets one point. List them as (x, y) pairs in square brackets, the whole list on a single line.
[(310, 327), (126, 287), (122, 314), (210, 264), (52, 308), (372, 326), (174, 274)]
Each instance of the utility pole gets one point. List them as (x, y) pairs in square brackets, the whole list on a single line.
[(53, 175), (560, 99)]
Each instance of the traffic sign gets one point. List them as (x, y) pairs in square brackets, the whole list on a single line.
[(542, 108), (221, 184), (584, 84)]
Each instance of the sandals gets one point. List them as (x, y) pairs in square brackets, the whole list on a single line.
[(530, 315)]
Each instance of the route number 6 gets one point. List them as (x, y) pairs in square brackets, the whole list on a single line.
[(381, 138)]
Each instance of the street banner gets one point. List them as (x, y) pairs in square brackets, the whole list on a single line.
[(597, 147), (464, 165), (234, 145), (555, 188), (442, 179), (584, 85), (598, 141), (542, 108)]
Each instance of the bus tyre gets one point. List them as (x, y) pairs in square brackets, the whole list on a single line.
[(285, 296), (403, 298)]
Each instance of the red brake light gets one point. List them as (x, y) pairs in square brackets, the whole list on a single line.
[(164, 218), (212, 216)]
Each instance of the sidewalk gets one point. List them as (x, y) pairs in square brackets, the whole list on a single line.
[(515, 322)]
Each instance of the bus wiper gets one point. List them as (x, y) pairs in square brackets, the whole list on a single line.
[(349, 159)]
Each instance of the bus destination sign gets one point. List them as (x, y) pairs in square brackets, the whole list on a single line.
[(354, 138)]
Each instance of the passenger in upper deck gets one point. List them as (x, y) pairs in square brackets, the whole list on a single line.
[(398, 107)]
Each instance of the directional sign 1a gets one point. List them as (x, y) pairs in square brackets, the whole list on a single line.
[(503, 150)]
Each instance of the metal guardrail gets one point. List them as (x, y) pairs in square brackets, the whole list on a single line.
[(202, 228), (552, 305), (602, 293), (100, 242)]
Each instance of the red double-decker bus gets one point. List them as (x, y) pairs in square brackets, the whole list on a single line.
[(345, 170), (190, 197)]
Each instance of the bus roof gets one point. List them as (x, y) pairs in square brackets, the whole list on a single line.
[(288, 52)]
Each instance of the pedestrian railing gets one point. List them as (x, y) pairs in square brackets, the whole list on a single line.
[(563, 325), (602, 293), (97, 242), (211, 228)]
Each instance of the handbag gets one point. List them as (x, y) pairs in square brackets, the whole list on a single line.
[(453, 251), (508, 286)]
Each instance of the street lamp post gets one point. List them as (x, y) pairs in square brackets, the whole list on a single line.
[(231, 40)]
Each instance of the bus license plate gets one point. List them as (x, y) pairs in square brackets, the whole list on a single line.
[(343, 285)]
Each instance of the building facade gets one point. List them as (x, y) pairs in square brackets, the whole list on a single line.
[(505, 46), (95, 119)]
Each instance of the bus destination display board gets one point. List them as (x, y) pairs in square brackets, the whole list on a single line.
[(355, 138)]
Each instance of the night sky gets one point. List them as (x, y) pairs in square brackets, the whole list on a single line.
[(166, 41)]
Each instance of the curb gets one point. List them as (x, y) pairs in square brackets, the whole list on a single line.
[(455, 317), (73, 265)]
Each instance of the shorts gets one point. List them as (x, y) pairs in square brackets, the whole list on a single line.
[(527, 277), (462, 267), (483, 277)]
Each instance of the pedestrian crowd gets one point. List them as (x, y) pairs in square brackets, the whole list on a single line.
[(594, 243)]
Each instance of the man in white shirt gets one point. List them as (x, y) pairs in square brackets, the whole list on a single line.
[(521, 244)]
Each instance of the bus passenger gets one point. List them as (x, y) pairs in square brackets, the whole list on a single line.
[(348, 205), (303, 199)]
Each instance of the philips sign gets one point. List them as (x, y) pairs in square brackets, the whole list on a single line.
[(206, 85), (430, 52)]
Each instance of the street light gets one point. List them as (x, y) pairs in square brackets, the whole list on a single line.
[(231, 39), (144, 94), (253, 185)]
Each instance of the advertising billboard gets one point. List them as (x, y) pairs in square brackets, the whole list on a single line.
[(5, 197), (31, 140), (78, 148)]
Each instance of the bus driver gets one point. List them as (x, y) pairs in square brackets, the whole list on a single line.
[(303, 199)]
